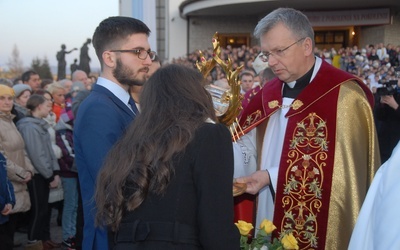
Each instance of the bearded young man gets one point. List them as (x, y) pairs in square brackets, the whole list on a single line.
[(122, 46)]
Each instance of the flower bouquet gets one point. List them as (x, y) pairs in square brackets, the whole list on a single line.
[(262, 240)]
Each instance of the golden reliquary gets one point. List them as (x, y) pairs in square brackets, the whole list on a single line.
[(227, 103)]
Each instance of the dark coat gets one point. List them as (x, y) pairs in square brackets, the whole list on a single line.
[(198, 202)]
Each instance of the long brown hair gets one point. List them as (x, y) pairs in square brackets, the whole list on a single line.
[(174, 104)]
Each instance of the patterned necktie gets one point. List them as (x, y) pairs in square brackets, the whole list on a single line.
[(132, 104)]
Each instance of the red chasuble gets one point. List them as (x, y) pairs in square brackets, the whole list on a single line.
[(328, 159)]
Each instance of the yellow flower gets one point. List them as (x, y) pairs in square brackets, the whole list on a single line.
[(268, 226), (289, 242), (244, 227)]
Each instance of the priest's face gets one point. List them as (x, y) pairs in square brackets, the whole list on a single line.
[(287, 54)]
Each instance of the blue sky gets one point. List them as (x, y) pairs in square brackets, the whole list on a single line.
[(39, 27)]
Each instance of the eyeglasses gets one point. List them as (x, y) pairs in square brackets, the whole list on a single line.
[(141, 53), (277, 53)]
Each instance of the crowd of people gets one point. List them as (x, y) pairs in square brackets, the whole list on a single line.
[(36, 140), (147, 137)]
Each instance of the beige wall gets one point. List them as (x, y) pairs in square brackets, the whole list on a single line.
[(201, 30), (381, 34), (176, 31)]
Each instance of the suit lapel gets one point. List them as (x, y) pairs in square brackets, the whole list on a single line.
[(118, 102)]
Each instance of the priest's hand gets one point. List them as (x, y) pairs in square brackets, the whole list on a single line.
[(255, 181)]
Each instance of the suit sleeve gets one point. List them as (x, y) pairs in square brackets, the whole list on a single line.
[(95, 134)]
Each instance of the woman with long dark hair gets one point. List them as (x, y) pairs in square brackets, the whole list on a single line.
[(167, 183)]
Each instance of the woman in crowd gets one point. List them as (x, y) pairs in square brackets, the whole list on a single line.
[(55, 195), (33, 129), (69, 178), (57, 91), (175, 157), (22, 94), (19, 167)]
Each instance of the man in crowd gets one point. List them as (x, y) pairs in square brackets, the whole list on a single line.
[(247, 81), (31, 78), (316, 148), (81, 76)]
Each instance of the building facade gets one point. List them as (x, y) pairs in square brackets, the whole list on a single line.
[(181, 27)]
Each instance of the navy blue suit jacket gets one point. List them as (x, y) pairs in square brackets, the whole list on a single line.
[(101, 120)]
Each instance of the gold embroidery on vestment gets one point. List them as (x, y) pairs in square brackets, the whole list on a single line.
[(295, 105), (273, 104), (250, 119), (302, 198)]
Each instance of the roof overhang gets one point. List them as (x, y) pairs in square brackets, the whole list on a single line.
[(190, 8)]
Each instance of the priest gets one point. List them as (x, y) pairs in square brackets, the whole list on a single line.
[(310, 135)]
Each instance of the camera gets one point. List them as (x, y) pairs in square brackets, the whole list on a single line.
[(390, 87)]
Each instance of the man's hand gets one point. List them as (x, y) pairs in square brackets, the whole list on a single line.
[(255, 181)]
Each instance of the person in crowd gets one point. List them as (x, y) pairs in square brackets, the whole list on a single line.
[(78, 99), (122, 47), (247, 81), (7, 201), (55, 194), (51, 120), (75, 89), (373, 56), (187, 170), (259, 66), (6, 82), (45, 83), (387, 113), (19, 167), (66, 84), (22, 94), (58, 92), (69, 178), (265, 75), (315, 137), (93, 79), (81, 76), (34, 131), (32, 79), (381, 51), (72, 212)]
